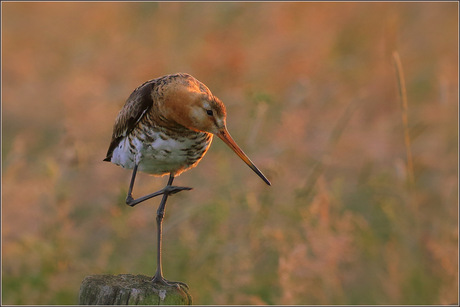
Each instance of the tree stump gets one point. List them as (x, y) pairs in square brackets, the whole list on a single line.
[(127, 289)]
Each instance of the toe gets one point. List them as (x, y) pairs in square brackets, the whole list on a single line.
[(175, 189)]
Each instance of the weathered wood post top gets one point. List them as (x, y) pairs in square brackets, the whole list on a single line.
[(128, 289)]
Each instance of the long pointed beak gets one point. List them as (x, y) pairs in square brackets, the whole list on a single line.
[(225, 136)]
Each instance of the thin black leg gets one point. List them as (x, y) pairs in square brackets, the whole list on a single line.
[(166, 191), (160, 215), (169, 189), (158, 278), (129, 198)]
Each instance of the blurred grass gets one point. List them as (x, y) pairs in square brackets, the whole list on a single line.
[(312, 98)]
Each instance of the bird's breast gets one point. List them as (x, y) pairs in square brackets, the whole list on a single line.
[(159, 151)]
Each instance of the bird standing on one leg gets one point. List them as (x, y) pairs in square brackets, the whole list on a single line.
[(165, 127)]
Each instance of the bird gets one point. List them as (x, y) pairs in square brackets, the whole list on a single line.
[(165, 127)]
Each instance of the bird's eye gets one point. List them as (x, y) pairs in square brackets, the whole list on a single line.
[(209, 112)]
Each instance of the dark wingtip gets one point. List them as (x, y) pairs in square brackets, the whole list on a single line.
[(107, 159)]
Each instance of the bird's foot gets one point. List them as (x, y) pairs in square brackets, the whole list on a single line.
[(172, 189), (168, 190), (163, 282)]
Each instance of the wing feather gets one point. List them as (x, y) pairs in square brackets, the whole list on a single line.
[(137, 105)]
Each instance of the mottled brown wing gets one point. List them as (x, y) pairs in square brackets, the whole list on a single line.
[(136, 106)]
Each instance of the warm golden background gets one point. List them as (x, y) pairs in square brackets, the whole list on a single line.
[(312, 97)]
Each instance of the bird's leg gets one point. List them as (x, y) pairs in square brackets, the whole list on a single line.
[(129, 198), (169, 189), (158, 278)]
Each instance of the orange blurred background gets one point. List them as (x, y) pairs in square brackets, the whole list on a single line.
[(312, 97)]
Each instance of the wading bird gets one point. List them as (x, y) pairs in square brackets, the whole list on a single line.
[(165, 127)]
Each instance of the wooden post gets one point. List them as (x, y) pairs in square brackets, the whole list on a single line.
[(127, 289)]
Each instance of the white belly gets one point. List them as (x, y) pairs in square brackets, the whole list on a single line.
[(162, 156)]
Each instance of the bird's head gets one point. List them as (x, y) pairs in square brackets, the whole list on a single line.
[(192, 105)]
